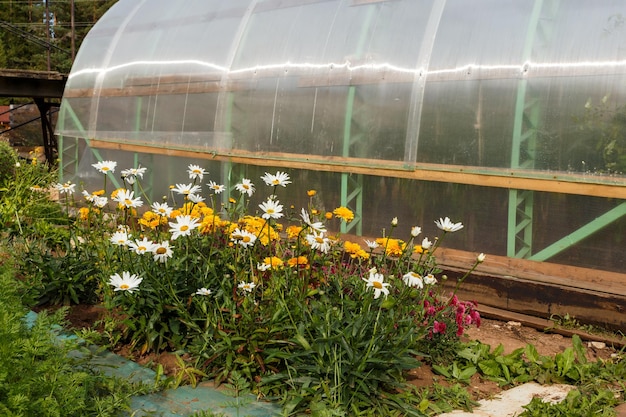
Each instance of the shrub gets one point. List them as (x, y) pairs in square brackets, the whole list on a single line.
[(38, 377)]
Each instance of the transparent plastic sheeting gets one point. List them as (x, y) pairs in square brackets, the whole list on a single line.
[(538, 85), (502, 86)]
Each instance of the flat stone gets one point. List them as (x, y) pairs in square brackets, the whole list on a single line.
[(510, 403)]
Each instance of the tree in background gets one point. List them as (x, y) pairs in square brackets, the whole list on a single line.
[(24, 33)]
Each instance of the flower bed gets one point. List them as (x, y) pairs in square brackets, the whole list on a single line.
[(261, 290)]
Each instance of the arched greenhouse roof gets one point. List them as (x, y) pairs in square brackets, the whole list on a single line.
[(508, 114)]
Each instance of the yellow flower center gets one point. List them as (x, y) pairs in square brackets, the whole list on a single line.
[(141, 248), (270, 211), (105, 168), (319, 240), (246, 239), (184, 228), (275, 182), (124, 286), (128, 202), (161, 251), (245, 186), (378, 285)]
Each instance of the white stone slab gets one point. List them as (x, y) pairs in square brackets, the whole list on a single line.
[(509, 403)]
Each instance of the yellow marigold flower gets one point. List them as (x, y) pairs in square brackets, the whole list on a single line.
[(293, 231), (419, 249), (206, 211), (172, 187), (300, 262), (362, 254), (393, 247), (83, 213), (210, 223), (275, 262), (315, 211), (98, 193), (232, 200), (311, 193), (278, 227), (344, 213), (351, 247), (175, 213), (328, 215)]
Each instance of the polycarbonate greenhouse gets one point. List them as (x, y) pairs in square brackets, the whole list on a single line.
[(507, 115)]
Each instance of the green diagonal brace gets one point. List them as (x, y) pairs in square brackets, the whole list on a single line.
[(580, 234)]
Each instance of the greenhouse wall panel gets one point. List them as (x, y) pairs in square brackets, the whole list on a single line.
[(509, 116)]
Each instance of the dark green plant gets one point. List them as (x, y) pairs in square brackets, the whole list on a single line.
[(8, 160), (39, 377)]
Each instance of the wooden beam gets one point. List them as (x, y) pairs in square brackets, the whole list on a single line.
[(615, 187)]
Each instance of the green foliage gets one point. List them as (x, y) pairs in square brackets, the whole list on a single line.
[(8, 159), (600, 384), (38, 377)]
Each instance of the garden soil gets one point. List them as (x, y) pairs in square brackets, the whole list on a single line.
[(512, 335)]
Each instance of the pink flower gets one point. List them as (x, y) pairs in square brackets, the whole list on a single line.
[(439, 327)]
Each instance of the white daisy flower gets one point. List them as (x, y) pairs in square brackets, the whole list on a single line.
[(126, 282), (127, 199), (415, 231), (203, 291), (316, 226), (318, 241), (196, 172), (372, 244), (280, 178), (412, 279), (140, 246), (67, 187), (120, 238), (186, 189), (162, 251), (243, 237), (271, 209), (447, 226), (245, 187), (430, 279), (376, 281), (183, 226), (481, 258), (162, 209), (215, 187), (195, 198), (262, 266), (105, 166), (100, 201), (246, 286), (426, 244)]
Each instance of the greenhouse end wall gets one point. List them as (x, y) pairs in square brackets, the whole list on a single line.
[(508, 116)]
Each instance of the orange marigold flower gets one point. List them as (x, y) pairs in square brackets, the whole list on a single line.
[(393, 247), (293, 231), (419, 249), (351, 247), (175, 213), (274, 262), (98, 193), (328, 215), (210, 223), (299, 261), (83, 213), (344, 213), (311, 193)]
